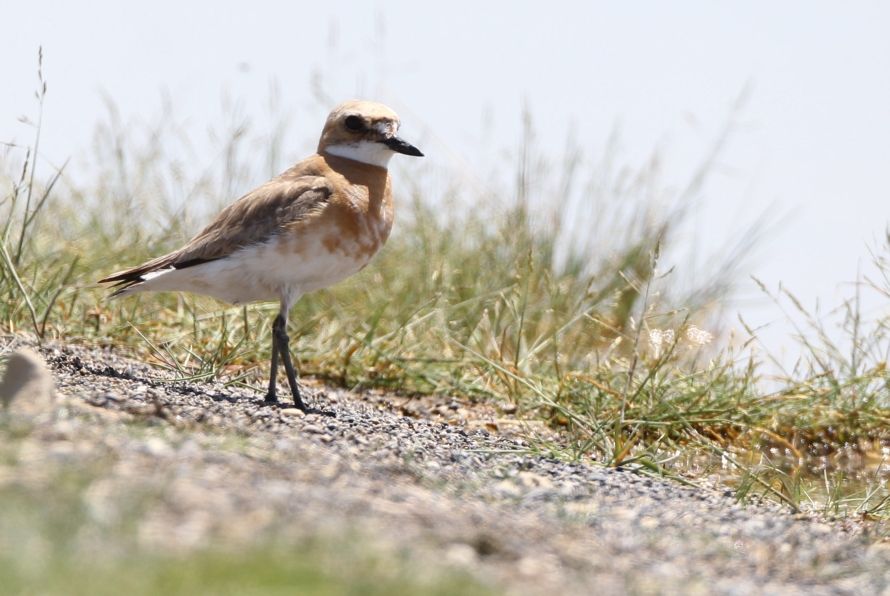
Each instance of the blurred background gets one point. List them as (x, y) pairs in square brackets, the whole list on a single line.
[(787, 103)]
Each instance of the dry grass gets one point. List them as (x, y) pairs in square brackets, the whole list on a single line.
[(530, 297)]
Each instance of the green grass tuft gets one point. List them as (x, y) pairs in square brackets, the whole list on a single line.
[(551, 297)]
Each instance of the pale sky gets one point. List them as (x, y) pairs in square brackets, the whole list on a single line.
[(812, 142)]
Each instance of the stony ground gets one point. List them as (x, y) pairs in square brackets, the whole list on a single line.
[(223, 468)]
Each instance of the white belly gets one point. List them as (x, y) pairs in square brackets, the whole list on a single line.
[(276, 270)]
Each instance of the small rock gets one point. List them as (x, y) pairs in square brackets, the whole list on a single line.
[(27, 386), (292, 412), (507, 488), (460, 554), (157, 447), (532, 480)]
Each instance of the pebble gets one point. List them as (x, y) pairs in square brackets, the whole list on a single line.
[(434, 493), (27, 385)]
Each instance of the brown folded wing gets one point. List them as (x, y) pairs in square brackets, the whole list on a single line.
[(254, 218)]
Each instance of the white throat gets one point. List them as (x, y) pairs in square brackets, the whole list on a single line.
[(370, 152)]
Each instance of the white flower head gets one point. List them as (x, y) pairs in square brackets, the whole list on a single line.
[(660, 340), (697, 337)]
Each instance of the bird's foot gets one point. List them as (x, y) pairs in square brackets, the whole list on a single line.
[(271, 399)]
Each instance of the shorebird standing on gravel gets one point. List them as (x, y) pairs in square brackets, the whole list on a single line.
[(312, 226)]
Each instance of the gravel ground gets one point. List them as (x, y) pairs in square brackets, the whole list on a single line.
[(228, 469)]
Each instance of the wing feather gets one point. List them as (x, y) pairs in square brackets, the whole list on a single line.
[(254, 218)]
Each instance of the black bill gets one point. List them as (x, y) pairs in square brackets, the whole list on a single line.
[(400, 146)]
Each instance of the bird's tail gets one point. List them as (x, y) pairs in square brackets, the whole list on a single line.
[(128, 281)]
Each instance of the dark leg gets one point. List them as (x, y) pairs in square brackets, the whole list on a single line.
[(272, 396), (279, 330), (282, 347)]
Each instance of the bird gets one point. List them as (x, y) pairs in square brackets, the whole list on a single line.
[(317, 223)]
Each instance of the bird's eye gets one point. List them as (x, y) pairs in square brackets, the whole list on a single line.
[(354, 123)]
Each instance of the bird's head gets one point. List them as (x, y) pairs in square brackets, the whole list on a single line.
[(364, 131)]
